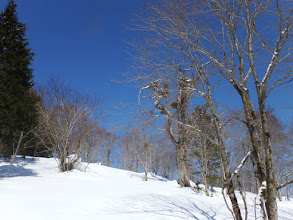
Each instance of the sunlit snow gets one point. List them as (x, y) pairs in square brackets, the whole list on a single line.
[(37, 190)]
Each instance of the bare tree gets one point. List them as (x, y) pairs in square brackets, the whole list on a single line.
[(17, 144), (169, 59), (227, 38), (129, 148), (145, 150), (100, 143), (91, 140), (110, 139), (66, 116), (180, 139)]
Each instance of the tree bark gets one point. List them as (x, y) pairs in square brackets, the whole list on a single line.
[(287, 190), (183, 175), (271, 202), (17, 148), (256, 151), (228, 182)]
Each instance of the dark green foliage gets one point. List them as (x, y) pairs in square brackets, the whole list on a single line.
[(202, 145), (214, 166), (18, 110), (197, 187)]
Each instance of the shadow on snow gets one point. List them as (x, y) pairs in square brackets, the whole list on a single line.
[(168, 206), (9, 171)]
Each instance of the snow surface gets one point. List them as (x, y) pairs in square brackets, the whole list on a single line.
[(36, 190)]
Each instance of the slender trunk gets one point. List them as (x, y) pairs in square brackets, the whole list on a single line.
[(249, 180), (287, 189), (108, 156), (204, 176), (204, 165), (17, 148), (229, 183), (145, 175), (271, 202), (136, 165), (130, 165), (226, 168), (256, 151)]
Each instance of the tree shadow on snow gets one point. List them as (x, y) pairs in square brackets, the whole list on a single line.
[(286, 215), (151, 176), (168, 206), (19, 160), (8, 171)]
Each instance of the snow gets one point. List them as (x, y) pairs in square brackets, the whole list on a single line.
[(242, 163), (35, 189)]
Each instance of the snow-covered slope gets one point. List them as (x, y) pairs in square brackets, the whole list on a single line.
[(36, 190)]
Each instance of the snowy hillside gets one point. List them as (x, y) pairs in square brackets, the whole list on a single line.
[(37, 190)]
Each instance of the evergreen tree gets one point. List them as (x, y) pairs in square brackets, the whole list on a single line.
[(18, 111), (203, 150)]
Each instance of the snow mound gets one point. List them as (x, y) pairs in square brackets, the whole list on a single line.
[(78, 165)]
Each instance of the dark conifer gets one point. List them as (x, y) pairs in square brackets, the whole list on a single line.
[(18, 112)]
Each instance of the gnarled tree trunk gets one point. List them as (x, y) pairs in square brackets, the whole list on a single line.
[(183, 175)]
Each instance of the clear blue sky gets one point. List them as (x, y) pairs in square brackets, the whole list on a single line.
[(83, 42)]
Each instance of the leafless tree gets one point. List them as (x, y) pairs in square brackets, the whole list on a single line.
[(110, 140), (66, 115), (138, 150), (179, 138), (129, 148), (145, 150), (18, 144), (91, 140), (100, 143), (229, 38), (169, 59)]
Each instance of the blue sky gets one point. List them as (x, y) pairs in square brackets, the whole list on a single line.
[(83, 42)]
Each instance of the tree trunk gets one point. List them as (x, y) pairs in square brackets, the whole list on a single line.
[(249, 180), (108, 156), (183, 139), (145, 178), (287, 189), (226, 168), (136, 164), (229, 183), (183, 175), (271, 202), (256, 151), (17, 148), (204, 173)]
